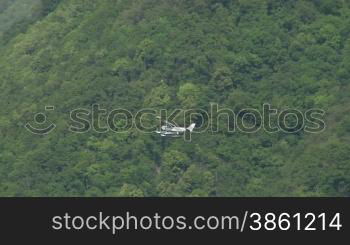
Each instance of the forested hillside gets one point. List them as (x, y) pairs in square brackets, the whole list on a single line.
[(167, 54)]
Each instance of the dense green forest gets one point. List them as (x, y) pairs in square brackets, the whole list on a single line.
[(167, 54)]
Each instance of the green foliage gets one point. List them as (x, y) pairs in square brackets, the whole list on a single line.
[(136, 54), (189, 95), (159, 97)]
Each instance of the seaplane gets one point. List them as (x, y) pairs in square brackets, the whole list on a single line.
[(171, 130)]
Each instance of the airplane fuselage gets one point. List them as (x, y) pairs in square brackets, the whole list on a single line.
[(173, 129)]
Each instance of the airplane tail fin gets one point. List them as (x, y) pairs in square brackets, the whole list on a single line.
[(191, 127)]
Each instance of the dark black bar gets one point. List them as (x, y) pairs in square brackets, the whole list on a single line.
[(31, 219)]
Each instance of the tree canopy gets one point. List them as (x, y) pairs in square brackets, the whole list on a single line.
[(170, 54)]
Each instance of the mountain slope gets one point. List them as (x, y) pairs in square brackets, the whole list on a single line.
[(176, 54)]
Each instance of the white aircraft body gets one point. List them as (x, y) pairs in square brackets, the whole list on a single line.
[(172, 130)]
